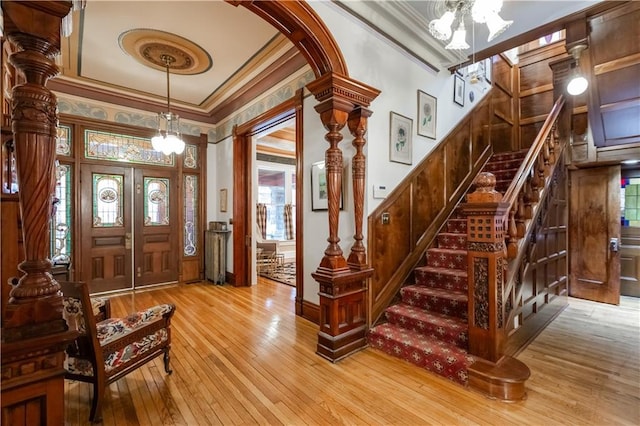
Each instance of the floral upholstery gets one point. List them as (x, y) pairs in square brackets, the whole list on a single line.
[(112, 329)]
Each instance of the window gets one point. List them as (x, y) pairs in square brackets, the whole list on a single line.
[(276, 187), (630, 202)]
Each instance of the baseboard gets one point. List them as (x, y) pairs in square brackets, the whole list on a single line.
[(309, 311)]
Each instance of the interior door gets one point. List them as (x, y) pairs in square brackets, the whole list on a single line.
[(155, 234), (595, 234), (106, 227)]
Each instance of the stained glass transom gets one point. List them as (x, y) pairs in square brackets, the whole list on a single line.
[(630, 202), (61, 223), (128, 149), (63, 141), (191, 157), (108, 203), (190, 215), (156, 201)]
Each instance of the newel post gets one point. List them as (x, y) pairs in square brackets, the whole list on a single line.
[(343, 286), (486, 220)]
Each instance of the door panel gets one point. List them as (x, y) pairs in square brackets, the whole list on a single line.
[(595, 213), (156, 227), (630, 262), (106, 227)]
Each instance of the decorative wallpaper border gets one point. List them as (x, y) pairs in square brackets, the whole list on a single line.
[(215, 133)]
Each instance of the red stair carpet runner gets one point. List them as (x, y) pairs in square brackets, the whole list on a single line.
[(429, 325)]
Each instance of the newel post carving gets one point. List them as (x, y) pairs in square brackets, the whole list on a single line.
[(343, 286), (486, 220), (35, 304)]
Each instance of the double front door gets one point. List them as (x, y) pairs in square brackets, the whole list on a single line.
[(128, 227)]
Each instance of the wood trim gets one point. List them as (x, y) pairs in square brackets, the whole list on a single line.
[(616, 64), (309, 311)]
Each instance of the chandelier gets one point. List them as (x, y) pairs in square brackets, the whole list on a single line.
[(168, 138), (482, 12)]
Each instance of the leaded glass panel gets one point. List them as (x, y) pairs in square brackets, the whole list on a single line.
[(190, 215), (108, 203), (191, 157), (630, 202), (61, 223), (156, 201), (63, 141), (129, 149)]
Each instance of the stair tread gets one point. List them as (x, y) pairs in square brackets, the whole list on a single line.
[(445, 359), (441, 270), (433, 318), (438, 292)]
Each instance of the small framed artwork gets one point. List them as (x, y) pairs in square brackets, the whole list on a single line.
[(487, 70), (458, 90), (223, 200), (319, 190), (400, 139), (427, 108)]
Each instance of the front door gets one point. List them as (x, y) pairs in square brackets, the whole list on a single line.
[(106, 227), (595, 234), (156, 259), (129, 232)]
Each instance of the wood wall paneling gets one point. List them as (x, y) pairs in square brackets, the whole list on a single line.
[(457, 159), (428, 199), (614, 55)]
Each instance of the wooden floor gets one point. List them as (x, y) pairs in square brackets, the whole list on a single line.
[(240, 356)]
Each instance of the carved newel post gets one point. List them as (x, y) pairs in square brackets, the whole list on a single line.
[(34, 334), (486, 218), (343, 287)]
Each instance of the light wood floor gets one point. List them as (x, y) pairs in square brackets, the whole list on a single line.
[(240, 356)]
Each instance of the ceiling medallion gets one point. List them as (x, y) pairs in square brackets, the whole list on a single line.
[(149, 46)]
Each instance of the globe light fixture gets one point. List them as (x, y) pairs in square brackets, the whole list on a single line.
[(168, 139), (577, 83)]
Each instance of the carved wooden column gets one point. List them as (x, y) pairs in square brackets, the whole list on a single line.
[(486, 220), (34, 334), (343, 292), (358, 127)]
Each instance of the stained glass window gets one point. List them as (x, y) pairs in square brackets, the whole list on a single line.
[(61, 221), (130, 149), (63, 141), (190, 215), (630, 202), (191, 157), (156, 201), (108, 204)]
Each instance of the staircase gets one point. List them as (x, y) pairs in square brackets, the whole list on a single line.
[(428, 327)]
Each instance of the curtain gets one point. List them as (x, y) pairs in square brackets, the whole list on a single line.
[(261, 217), (288, 222)]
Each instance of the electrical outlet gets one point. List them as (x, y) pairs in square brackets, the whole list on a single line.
[(386, 218)]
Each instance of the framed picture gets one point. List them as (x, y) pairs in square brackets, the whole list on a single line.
[(427, 108), (487, 70), (223, 200), (319, 190), (400, 139), (458, 90)]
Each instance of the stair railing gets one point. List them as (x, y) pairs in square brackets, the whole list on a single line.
[(498, 226)]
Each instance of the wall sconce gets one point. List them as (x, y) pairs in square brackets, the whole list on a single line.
[(577, 82)]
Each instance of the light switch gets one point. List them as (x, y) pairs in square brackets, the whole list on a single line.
[(380, 191)]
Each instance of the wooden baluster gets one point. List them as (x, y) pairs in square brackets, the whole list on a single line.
[(512, 240), (528, 199), (541, 169), (546, 155), (552, 146), (520, 215)]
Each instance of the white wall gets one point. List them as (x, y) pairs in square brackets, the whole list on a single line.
[(377, 62), (220, 175)]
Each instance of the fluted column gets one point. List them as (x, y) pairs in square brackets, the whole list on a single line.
[(358, 127)]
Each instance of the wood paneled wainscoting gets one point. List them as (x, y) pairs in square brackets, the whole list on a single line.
[(420, 204), (230, 368)]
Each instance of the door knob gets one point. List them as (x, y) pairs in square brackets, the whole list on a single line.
[(127, 241)]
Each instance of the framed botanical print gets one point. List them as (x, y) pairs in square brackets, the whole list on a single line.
[(427, 108), (458, 90), (400, 139)]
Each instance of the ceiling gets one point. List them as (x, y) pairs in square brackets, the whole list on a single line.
[(242, 46)]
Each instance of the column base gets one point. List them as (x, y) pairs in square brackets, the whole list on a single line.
[(335, 348), (503, 380)]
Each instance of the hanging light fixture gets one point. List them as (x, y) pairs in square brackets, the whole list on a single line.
[(168, 138), (482, 11), (577, 83)]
